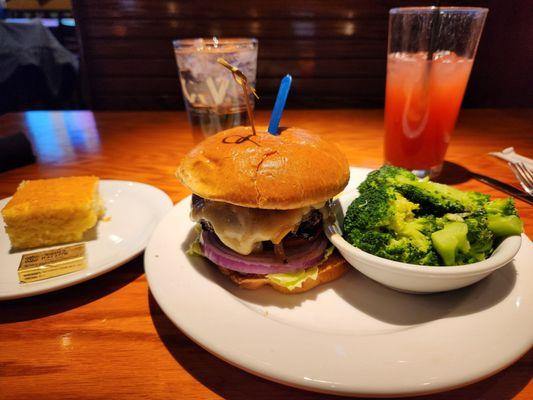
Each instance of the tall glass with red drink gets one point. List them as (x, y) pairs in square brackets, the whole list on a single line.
[(430, 56)]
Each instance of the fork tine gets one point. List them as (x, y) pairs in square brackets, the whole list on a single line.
[(523, 173), (513, 168), (526, 171), (518, 176)]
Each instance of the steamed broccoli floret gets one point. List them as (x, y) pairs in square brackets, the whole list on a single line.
[(480, 237), (371, 209), (368, 240), (477, 200), (405, 249), (402, 218), (438, 199), (451, 241), (475, 246), (389, 245), (501, 206), (381, 221), (503, 220), (377, 208), (413, 235), (432, 198), (417, 230), (385, 176)]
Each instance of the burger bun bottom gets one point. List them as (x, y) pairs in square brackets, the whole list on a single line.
[(333, 268)]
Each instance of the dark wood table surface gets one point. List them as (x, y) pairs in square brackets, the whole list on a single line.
[(108, 339)]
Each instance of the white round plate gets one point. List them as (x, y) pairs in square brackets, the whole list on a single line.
[(133, 210), (349, 337)]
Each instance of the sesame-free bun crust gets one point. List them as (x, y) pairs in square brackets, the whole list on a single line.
[(333, 268), (291, 170)]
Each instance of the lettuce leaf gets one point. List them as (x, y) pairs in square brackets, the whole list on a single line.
[(327, 253), (195, 249), (296, 279)]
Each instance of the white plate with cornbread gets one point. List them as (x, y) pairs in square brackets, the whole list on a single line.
[(113, 219)]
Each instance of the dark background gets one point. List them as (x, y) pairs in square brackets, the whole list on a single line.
[(335, 50)]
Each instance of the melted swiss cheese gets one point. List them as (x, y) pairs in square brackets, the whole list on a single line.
[(242, 228)]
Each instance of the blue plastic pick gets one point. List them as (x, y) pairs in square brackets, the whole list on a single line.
[(283, 92)]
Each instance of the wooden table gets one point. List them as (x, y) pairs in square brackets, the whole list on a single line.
[(108, 339)]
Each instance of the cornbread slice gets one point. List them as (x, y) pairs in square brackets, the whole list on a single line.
[(51, 211)]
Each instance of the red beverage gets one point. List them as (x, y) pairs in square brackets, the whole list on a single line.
[(422, 101)]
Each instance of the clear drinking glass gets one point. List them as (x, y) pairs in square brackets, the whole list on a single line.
[(430, 55), (213, 99)]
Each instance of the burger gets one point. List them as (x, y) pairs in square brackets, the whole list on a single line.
[(258, 200)]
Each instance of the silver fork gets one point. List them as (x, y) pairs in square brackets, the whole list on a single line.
[(524, 175)]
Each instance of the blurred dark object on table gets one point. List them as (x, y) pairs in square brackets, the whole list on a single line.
[(36, 71), (60, 23), (15, 151), (335, 50)]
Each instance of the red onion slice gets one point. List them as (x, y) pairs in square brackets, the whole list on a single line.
[(301, 257)]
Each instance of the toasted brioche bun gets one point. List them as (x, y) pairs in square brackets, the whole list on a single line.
[(333, 268), (291, 170)]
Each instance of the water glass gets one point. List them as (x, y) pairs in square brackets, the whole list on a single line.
[(213, 100)]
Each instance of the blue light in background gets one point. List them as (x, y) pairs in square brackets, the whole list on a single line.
[(82, 131), (68, 22), (59, 135), (48, 22), (43, 136)]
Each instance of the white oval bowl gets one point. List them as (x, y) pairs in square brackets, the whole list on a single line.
[(415, 278)]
